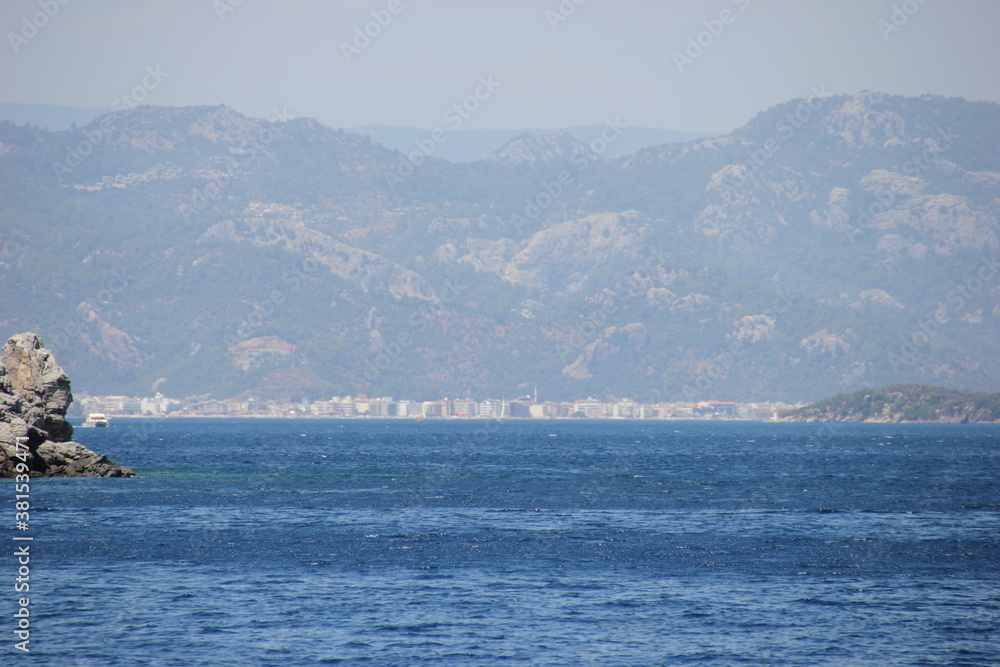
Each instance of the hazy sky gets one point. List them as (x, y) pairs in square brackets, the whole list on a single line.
[(605, 59)]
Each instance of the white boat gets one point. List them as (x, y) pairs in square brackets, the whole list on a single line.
[(96, 420)]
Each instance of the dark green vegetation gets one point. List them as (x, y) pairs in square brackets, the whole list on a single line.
[(903, 403), (840, 242)]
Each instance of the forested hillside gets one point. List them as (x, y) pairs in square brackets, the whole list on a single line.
[(903, 403), (830, 244)]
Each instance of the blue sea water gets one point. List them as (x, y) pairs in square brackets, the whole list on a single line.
[(368, 542)]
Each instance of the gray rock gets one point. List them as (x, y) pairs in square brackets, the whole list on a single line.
[(34, 397)]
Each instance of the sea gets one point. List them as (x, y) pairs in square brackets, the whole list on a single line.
[(455, 542)]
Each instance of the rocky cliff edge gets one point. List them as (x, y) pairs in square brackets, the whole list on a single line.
[(34, 396)]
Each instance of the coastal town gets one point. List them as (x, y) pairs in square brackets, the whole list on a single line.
[(352, 407)]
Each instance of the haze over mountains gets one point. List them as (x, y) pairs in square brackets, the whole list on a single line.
[(49, 116), (832, 243), (471, 145), (462, 145)]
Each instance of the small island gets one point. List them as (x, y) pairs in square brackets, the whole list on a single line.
[(34, 396), (902, 403)]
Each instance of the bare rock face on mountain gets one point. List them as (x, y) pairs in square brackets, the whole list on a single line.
[(540, 150), (561, 256), (34, 397)]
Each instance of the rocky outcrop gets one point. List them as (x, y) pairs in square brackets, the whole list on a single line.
[(540, 150), (562, 256), (34, 396), (371, 271)]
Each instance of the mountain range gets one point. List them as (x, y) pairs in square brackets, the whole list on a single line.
[(832, 243), (462, 145)]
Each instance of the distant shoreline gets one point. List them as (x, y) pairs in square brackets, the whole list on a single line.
[(114, 418), (521, 420), (902, 403)]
